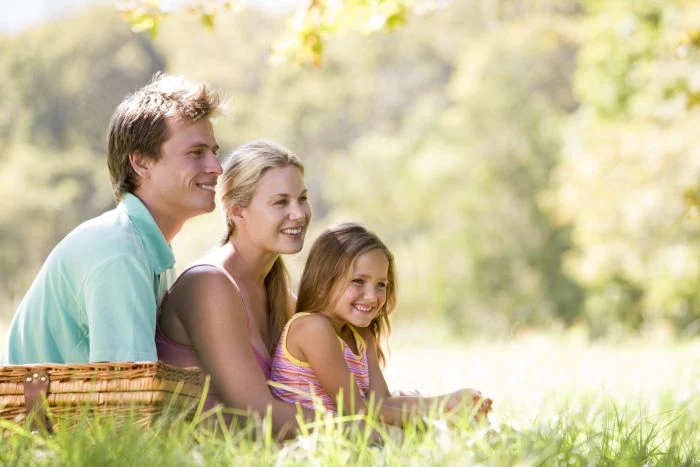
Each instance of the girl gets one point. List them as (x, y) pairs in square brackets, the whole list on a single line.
[(330, 350), (225, 312)]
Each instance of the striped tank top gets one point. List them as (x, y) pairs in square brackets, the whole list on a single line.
[(294, 381)]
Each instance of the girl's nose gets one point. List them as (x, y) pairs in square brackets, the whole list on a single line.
[(370, 294)]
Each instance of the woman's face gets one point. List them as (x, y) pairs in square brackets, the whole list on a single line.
[(279, 212)]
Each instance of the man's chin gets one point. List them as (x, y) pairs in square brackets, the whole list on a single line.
[(201, 210)]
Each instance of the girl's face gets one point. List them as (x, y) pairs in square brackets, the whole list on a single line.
[(279, 212), (365, 294)]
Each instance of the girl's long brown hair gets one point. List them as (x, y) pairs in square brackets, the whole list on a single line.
[(242, 172), (329, 269)]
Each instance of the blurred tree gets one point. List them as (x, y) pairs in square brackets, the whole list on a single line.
[(454, 185), (61, 83), (303, 40), (383, 129), (632, 165)]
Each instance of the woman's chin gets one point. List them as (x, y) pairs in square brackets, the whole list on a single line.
[(291, 248)]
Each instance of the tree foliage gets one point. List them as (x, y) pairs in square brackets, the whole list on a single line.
[(303, 41), (59, 91), (530, 162), (632, 166)]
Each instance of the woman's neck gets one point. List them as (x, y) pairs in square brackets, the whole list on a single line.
[(248, 265)]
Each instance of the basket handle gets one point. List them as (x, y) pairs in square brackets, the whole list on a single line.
[(36, 384)]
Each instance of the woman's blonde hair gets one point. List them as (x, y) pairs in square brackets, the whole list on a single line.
[(242, 172), (329, 269)]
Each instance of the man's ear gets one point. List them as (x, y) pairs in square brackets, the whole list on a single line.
[(141, 164)]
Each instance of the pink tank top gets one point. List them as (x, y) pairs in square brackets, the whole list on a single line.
[(295, 381), (184, 355)]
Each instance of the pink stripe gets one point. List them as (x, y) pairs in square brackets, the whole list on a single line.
[(288, 373)]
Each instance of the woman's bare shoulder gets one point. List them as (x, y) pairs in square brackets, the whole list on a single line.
[(204, 286)]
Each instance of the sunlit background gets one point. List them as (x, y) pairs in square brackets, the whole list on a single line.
[(533, 165)]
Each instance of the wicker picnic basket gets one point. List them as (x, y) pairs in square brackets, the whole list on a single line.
[(139, 391)]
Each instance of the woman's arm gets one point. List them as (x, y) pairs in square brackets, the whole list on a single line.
[(214, 318), (314, 340)]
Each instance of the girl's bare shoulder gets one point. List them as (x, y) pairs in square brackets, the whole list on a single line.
[(311, 323)]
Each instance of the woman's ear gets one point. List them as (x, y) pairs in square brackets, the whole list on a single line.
[(140, 164), (236, 212)]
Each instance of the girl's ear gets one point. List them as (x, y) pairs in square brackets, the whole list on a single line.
[(140, 164)]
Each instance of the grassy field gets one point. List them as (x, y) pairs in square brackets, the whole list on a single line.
[(557, 401)]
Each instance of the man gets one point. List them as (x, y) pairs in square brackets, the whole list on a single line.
[(96, 295)]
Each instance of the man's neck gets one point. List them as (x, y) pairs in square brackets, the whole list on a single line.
[(168, 224)]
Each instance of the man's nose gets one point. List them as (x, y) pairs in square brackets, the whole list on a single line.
[(213, 164)]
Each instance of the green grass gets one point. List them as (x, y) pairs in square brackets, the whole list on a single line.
[(558, 402), (595, 432)]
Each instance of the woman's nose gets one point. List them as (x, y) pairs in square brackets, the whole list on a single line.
[(296, 212)]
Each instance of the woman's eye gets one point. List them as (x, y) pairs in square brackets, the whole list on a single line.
[(358, 281), (303, 199), (281, 202), (381, 285)]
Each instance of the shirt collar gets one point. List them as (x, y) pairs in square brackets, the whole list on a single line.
[(158, 250)]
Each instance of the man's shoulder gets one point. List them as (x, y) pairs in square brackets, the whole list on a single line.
[(111, 233)]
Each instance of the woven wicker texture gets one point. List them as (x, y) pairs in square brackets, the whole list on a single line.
[(143, 390)]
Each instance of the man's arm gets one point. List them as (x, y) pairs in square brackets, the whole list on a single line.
[(120, 307)]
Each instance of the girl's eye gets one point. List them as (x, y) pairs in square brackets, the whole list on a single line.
[(358, 281), (196, 153), (381, 285), (281, 202), (303, 199)]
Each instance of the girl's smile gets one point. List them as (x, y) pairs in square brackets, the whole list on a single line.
[(365, 294)]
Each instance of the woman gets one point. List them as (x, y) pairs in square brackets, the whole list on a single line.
[(225, 313)]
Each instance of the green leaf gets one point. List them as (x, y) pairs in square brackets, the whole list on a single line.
[(207, 20)]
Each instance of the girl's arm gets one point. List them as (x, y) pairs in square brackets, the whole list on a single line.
[(214, 318), (416, 405), (313, 339)]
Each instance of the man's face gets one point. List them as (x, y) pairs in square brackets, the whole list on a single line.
[(181, 184)]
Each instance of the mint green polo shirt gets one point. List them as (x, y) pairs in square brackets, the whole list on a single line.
[(95, 297)]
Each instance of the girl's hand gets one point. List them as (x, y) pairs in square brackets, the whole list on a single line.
[(472, 400)]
